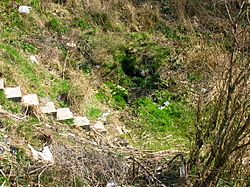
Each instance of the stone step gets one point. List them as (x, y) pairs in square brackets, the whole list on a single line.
[(82, 122), (99, 127), (30, 100), (48, 108), (1, 84), (63, 114), (13, 93)]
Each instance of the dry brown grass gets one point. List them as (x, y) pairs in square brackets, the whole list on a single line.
[(116, 13)]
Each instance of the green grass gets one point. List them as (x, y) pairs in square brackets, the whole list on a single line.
[(80, 23), (9, 105), (194, 77), (57, 26), (93, 113), (158, 129)]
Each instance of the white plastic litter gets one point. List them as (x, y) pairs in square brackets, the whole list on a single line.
[(24, 9), (33, 59), (204, 90), (45, 155), (71, 44), (165, 104), (111, 184), (161, 107), (104, 116), (183, 171), (1, 84)]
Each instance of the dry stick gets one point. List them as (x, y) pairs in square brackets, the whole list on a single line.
[(2, 173), (4, 176), (3, 183), (37, 169), (39, 176), (13, 116), (153, 178), (65, 64), (10, 172)]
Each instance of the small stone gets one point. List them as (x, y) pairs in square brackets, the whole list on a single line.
[(48, 108), (99, 127), (63, 114), (13, 93), (1, 84), (82, 122), (30, 100)]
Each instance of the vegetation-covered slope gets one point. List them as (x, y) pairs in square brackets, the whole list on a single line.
[(149, 62)]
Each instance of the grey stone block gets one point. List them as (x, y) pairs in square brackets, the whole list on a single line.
[(48, 108), (13, 93), (30, 100), (63, 114), (82, 122), (99, 127)]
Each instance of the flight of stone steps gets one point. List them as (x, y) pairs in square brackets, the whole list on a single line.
[(47, 107)]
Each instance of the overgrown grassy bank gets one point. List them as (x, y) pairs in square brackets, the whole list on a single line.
[(145, 61)]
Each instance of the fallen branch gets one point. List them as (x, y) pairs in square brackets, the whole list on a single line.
[(12, 116)]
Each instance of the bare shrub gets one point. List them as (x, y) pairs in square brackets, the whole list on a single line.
[(222, 125)]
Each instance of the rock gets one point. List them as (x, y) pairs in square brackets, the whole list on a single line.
[(13, 93), (30, 100), (48, 108), (24, 9), (63, 114), (99, 127), (82, 122), (1, 84)]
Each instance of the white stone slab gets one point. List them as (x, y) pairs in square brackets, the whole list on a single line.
[(30, 100), (13, 93), (81, 121), (99, 127), (63, 114), (48, 108), (1, 84)]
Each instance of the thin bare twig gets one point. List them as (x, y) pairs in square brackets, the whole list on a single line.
[(10, 115)]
